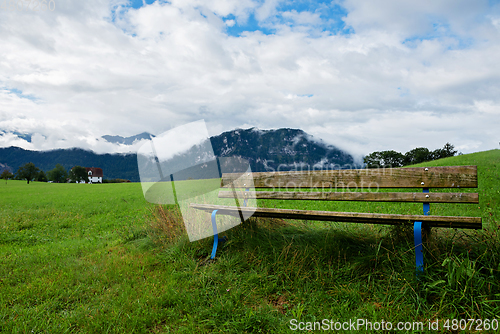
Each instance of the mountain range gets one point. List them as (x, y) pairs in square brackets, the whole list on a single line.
[(266, 150), (127, 140), (283, 149)]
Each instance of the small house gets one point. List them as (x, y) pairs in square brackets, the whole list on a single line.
[(95, 174)]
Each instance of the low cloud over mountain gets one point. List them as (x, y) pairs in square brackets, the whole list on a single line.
[(266, 150)]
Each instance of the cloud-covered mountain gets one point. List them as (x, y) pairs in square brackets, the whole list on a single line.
[(266, 150), (281, 149)]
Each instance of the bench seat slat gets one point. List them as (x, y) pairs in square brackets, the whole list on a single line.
[(371, 218), (357, 196), (415, 177)]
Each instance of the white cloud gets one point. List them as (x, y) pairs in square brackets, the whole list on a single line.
[(302, 17), (267, 9), (413, 73), (413, 18)]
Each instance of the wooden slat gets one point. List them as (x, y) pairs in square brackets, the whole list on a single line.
[(357, 196), (369, 218), (416, 177)]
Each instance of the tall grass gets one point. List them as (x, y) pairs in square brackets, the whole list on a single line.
[(305, 269), (166, 226)]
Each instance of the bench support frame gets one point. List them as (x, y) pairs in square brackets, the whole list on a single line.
[(417, 236)]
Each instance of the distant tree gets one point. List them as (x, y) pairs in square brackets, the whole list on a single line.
[(28, 172), (384, 159), (417, 155), (6, 175), (58, 174), (41, 177), (78, 173), (372, 160), (445, 152), (449, 149)]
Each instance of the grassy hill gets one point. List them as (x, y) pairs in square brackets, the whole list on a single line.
[(99, 258)]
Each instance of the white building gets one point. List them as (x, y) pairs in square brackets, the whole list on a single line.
[(95, 174)]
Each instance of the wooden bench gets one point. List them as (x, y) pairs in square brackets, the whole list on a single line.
[(366, 182)]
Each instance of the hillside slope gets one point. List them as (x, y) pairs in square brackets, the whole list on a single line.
[(488, 170)]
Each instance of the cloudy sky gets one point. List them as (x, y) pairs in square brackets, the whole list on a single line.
[(362, 75)]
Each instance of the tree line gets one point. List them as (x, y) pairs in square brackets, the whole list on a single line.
[(59, 174), (415, 156)]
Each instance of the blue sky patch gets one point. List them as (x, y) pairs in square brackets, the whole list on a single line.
[(331, 14), (440, 31), (135, 4), (250, 25), (20, 94), (139, 3), (331, 18)]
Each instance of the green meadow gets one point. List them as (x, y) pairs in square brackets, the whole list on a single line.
[(79, 258)]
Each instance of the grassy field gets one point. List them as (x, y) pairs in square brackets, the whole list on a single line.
[(77, 258)]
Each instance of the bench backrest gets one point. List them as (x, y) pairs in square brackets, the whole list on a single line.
[(338, 185)]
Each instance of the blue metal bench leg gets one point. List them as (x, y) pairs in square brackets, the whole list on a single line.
[(417, 237), (216, 234), (419, 255)]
